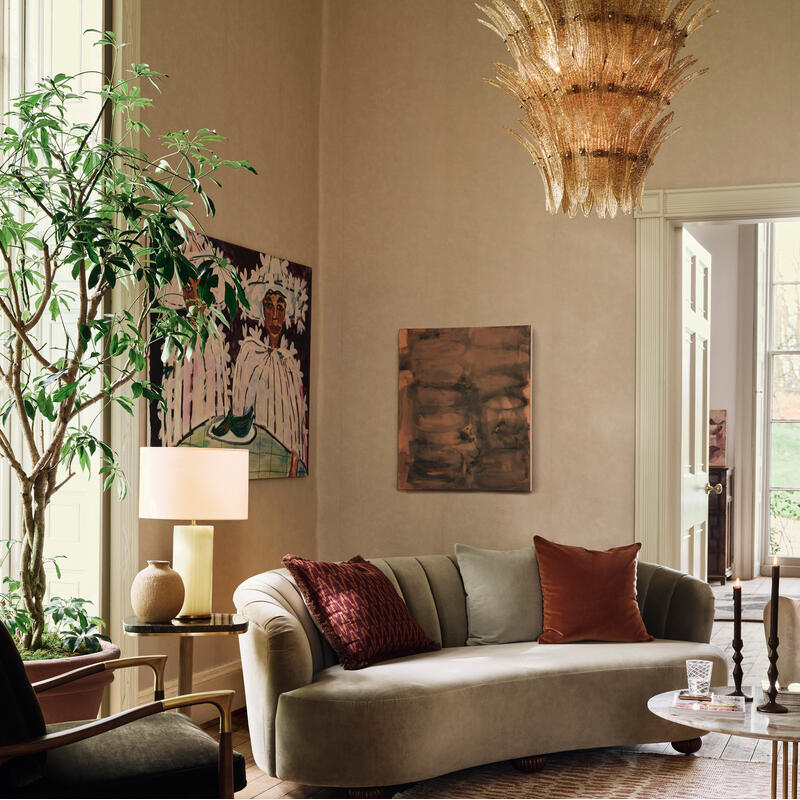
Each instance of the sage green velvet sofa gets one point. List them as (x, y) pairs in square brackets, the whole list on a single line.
[(424, 715)]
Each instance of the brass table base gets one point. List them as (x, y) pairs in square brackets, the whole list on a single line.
[(187, 630), (785, 770)]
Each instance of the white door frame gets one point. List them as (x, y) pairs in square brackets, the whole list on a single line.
[(657, 492)]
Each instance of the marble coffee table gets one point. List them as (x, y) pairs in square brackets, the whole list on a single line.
[(753, 724)]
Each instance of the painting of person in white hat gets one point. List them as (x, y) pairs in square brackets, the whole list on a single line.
[(268, 388), (196, 388)]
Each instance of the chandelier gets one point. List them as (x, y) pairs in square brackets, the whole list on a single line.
[(593, 78)]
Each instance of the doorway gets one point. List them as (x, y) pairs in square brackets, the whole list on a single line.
[(724, 492), (659, 369), (753, 395)]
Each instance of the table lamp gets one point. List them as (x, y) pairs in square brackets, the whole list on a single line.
[(191, 483)]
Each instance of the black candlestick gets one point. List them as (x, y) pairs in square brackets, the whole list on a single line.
[(738, 644), (771, 707)]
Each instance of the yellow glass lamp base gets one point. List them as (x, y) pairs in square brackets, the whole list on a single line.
[(193, 560)]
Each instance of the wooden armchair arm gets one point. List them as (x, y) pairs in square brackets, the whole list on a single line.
[(156, 663), (221, 700)]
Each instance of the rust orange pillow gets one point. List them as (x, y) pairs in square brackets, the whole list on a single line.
[(362, 616), (589, 595)]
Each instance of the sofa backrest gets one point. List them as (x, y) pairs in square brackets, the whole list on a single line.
[(673, 605)]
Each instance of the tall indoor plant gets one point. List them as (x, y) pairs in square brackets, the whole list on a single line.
[(80, 215)]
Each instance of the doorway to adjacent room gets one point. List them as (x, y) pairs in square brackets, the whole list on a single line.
[(718, 345)]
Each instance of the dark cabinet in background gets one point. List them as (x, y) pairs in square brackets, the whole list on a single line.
[(720, 525)]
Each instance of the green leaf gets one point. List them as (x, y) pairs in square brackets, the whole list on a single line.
[(230, 300), (45, 405), (64, 392), (30, 408)]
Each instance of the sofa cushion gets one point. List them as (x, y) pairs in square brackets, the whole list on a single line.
[(504, 598), (165, 755), (359, 610), (522, 698), (589, 595)]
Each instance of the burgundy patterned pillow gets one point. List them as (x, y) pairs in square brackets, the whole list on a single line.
[(360, 612)]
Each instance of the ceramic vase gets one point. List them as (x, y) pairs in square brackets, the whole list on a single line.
[(157, 592)]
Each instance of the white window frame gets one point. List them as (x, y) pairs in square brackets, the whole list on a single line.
[(121, 525), (767, 418), (10, 508)]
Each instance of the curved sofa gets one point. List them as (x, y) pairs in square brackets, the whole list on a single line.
[(416, 717)]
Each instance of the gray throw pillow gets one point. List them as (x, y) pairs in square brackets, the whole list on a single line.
[(504, 596)]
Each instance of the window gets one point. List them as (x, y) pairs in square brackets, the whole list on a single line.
[(44, 37), (782, 467)]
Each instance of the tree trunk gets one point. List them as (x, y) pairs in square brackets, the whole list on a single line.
[(34, 505)]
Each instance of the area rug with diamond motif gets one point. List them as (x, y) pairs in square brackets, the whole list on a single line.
[(752, 608), (611, 772)]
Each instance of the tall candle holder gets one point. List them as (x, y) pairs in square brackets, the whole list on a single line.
[(738, 644), (771, 707)]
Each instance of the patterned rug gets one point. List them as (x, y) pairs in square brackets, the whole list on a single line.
[(752, 608), (605, 773)]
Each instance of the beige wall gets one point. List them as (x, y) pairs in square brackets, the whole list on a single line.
[(431, 215), (251, 70), (422, 211)]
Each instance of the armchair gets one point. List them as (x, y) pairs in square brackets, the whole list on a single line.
[(141, 752)]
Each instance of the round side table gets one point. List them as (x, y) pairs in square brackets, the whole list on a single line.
[(187, 630), (753, 724)]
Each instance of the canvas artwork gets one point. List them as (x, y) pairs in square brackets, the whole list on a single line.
[(717, 438), (250, 388), (465, 409)]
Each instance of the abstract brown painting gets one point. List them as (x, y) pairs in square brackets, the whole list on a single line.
[(465, 409)]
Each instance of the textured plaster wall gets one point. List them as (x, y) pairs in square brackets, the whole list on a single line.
[(431, 215), (384, 165), (251, 70)]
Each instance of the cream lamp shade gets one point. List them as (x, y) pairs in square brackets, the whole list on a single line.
[(191, 483)]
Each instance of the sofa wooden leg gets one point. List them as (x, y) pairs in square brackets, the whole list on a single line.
[(369, 792), (529, 763), (688, 746)]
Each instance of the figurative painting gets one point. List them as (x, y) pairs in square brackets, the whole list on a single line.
[(249, 388), (717, 438), (464, 416)]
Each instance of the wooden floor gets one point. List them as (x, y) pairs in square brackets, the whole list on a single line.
[(715, 745)]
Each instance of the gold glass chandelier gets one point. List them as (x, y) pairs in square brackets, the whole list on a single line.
[(593, 78)]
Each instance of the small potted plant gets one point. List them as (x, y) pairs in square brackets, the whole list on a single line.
[(71, 639), (83, 215)]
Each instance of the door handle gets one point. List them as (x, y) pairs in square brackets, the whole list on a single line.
[(716, 489)]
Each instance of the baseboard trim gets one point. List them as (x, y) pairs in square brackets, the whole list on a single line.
[(220, 676)]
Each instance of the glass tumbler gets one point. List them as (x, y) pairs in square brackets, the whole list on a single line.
[(698, 675)]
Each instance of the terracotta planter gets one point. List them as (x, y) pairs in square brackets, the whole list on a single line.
[(79, 700)]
